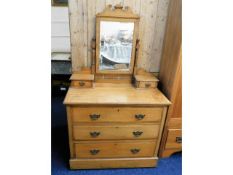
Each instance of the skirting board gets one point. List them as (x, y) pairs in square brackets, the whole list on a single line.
[(113, 163)]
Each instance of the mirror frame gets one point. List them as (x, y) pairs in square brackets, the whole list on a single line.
[(116, 14)]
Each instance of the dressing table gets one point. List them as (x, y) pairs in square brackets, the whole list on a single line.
[(115, 112)]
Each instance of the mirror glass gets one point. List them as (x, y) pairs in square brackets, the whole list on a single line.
[(116, 42)]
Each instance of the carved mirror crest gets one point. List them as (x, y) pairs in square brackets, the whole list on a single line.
[(116, 32)]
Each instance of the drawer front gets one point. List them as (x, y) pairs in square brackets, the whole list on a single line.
[(146, 84), (174, 139), (115, 149), (81, 84), (114, 114), (101, 132)]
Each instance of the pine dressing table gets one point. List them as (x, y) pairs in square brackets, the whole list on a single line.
[(115, 112)]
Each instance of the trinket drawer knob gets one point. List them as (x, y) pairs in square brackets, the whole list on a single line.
[(94, 151), (147, 85), (81, 83), (94, 116), (94, 134), (137, 133), (178, 139), (134, 151), (139, 116)]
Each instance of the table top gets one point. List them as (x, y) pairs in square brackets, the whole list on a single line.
[(119, 95)]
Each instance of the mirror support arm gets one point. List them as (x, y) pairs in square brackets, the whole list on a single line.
[(136, 56), (93, 56)]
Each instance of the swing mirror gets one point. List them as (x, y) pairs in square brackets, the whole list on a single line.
[(116, 30)]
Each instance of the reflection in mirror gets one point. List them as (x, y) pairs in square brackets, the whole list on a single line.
[(116, 40)]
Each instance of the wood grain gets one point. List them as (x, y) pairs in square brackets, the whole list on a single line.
[(69, 121), (82, 29), (116, 114), (158, 37), (148, 13), (171, 142), (175, 123), (171, 78), (113, 163), (146, 78), (78, 33), (161, 130), (113, 78), (82, 77), (115, 96), (172, 48), (115, 131), (115, 149), (81, 84), (91, 8), (146, 84)]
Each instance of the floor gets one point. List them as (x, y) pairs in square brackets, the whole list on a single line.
[(60, 151)]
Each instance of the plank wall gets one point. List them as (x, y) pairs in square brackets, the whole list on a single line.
[(153, 16)]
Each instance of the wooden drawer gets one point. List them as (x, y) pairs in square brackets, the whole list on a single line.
[(115, 149), (81, 84), (145, 80), (115, 131), (174, 139), (146, 84), (116, 114)]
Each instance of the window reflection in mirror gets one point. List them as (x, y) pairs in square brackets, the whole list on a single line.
[(116, 41)]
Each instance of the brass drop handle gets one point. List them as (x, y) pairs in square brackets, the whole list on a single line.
[(94, 116), (137, 133), (94, 134), (178, 139), (139, 116), (147, 85), (81, 83), (134, 151), (94, 151)]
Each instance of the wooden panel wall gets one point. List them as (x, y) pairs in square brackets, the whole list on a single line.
[(153, 15)]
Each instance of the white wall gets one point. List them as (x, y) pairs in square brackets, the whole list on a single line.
[(60, 33)]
